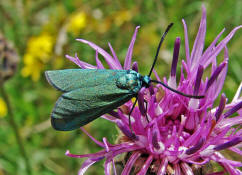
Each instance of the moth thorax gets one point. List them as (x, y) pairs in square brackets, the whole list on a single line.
[(130, 81)]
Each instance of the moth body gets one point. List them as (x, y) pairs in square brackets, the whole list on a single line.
[(90, 93)]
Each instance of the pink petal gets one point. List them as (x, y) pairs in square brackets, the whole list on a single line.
[(93, 139), (205, 161), (236, 150), (128, 57), (229, 168), (99, 154), (109, 118), (86, 164), (109, 59), (80, 63), (106, 144), (177, 169), (220, 46), (186, 44), (163, 165), (199, 41), (156, 75), (145, 166), (135, 66), (229, 122), (221, 78), (107, 167), (192, 138), (99, 63), (210, 48), (186, 169), (130, 163), (115, 56), (114, 168), (237, 94)]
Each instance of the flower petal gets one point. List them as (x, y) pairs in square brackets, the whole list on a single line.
[(233, 110), (186, 44), (130, 163), (135, 66), (237, 94), (86, 164), (99, 63), (93, 139), (109, 59), (175, 56), (210, 49), (215, 75), (199, 42), (228, 144), (186, 169), (221, 106), (107, 167), (115, 56), (163, 166), (220, 46), (80, 63), (145, 166), (125, 130), (128, 57), (196, 147)]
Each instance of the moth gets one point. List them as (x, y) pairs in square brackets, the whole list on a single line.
[(90, 93)]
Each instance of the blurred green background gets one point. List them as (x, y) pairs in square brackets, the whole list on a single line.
[(43, 31)]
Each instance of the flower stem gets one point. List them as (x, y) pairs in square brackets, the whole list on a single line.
[(13, 124)]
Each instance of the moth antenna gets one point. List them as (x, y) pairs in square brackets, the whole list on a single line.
[(159, 46), (178, 92)]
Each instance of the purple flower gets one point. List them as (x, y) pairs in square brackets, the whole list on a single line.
[(181, 133)]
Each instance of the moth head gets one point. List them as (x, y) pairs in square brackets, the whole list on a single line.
[(130, 81)]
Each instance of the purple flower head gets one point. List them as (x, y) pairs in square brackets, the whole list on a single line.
[(173, 134)]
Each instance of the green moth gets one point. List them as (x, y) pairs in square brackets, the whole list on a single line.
[(90, 93)]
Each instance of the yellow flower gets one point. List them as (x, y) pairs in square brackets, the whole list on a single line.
[(77, 22), (32, 67), (3, 108), (41, 46), (39, 50)]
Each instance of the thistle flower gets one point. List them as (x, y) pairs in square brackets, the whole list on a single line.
[(181, 133)]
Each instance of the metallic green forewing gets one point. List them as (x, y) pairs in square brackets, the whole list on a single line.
[(88, 94)]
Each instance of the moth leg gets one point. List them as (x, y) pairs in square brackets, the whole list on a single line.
[(130, 127), (146, 107), (143, 104)]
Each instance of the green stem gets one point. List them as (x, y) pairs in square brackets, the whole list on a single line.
[(15, 127)]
